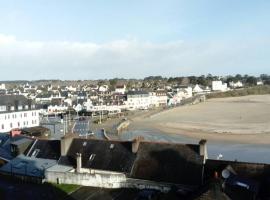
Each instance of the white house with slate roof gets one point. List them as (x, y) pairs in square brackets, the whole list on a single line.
[(16, 111), (138, 100)]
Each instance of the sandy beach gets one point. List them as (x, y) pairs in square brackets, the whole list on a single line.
[(239, 119)]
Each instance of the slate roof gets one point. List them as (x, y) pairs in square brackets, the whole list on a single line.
[(103, 155), (4, 146), (11, 99), (162, 162), (6, 141), (23, 165), (47, 149), (168, 162)]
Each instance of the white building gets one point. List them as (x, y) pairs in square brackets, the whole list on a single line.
[(97, 108), (162, 98), (71, 88), (138, 100), (219, 86), (153, 101), (2, 86), (178, 94), (54, 109), (103, 88), (197, 89), (120, 89), (259, 83), (237, 84), (17, 112)]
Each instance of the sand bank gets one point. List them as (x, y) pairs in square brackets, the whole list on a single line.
[(240, 119)]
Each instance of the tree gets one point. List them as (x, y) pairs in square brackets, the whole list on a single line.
[(202, 80), (113, 82), (251, 80), (185, 81), (238, 77)]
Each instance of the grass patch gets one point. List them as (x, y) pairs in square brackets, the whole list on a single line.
[(67, 188), (257, 90)]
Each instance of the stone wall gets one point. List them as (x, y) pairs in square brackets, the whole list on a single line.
[(103, 180), (86, 179)]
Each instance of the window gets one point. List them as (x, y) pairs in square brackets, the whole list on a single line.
[(10, 125), (35, 153), (3, 126), (92, 156), (19, 124)]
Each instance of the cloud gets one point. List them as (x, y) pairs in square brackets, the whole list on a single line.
[(21, 59)]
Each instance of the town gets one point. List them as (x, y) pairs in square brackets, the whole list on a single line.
[(48, 135), (134, 100), (115, 95)]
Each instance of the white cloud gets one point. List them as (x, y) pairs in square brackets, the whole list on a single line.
[(6, 39), (127, 58)]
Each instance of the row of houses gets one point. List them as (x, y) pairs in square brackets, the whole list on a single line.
[(103, 163), (93, 98), (166, 167)]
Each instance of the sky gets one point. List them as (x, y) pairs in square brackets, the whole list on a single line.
[(98, 39)]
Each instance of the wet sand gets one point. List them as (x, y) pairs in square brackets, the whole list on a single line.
[(239, 119)]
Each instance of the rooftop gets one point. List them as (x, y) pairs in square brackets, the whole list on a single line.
[(168, 162), (47, 149), (102, 155), (24, 165)]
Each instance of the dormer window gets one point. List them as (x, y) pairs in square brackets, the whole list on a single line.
[(35, 153)]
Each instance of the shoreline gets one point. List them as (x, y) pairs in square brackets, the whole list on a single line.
[(251, 128), (218, 137)]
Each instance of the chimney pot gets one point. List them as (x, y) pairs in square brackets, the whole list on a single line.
[(79, 162)]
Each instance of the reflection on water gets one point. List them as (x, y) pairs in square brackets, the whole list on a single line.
[(239, 152)]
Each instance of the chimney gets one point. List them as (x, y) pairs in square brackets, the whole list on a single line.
[(135, 144), (65, 144), (79, 162), (203, 149)]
